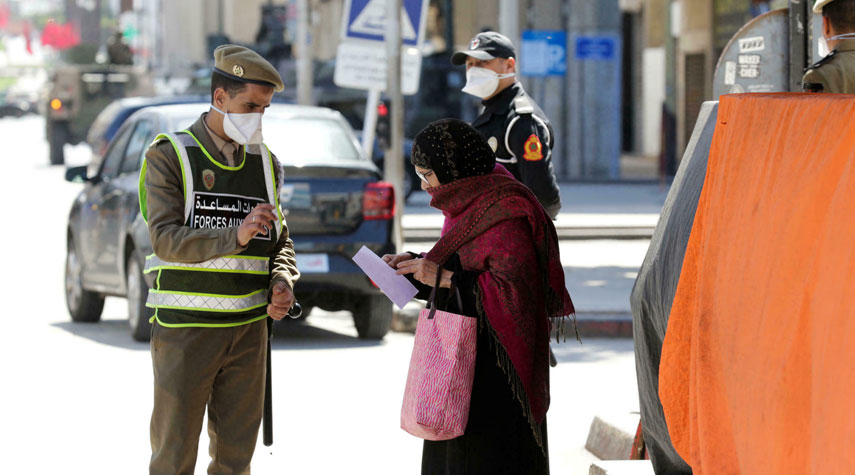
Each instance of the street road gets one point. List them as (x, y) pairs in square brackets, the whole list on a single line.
[(77, 397)]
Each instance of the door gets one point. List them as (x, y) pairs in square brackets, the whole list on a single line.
[(95, 245), (121, 204)]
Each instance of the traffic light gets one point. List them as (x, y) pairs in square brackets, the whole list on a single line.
[(384, 125)]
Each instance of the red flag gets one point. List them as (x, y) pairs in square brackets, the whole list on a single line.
[(4, 16), (60, 36), (27, 32)]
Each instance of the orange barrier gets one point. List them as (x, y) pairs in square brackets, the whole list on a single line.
[(758, 366)]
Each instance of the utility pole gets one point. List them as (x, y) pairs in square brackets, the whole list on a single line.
[(85, 15), (304, 49), (509, 22), (448, 16), (394, 160), (220, 21)]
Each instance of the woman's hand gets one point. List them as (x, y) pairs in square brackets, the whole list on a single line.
[(394, 259), (424, 271)]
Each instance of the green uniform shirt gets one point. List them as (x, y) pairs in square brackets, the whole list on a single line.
[(836, 72), (173, 241)]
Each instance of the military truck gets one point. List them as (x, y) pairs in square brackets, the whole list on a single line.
[(78, 93)]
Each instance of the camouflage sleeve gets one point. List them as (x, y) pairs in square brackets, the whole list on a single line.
[(164, 202), (284, 258)]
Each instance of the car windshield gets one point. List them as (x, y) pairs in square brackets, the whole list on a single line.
[(300, 141), (102, 122)]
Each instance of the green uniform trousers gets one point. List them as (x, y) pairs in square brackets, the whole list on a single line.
[(223, 368)]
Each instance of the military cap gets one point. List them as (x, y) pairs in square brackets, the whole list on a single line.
[(817, 6), (486, 46), (245, 65)]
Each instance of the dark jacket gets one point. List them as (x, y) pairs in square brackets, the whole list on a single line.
[(522, 137)]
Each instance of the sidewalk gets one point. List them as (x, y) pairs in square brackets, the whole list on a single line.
[(589, 211), (599, 280)]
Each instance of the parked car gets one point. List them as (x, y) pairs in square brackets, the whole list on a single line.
[(332, 196), (378, 155), (108, 122)]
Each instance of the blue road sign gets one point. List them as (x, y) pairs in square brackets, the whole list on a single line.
[(596, 48), (366, 20), (543, 53)]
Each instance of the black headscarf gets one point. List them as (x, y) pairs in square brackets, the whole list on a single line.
[(453, 150)]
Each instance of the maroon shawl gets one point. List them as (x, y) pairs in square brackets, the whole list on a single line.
[(498, 228)]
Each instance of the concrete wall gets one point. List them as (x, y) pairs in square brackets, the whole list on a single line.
[(695, 37), (549, 93), (655, 26), (652, 99), (326, 28), (185, 25), (182, 34), (472, 16), (594, 90)]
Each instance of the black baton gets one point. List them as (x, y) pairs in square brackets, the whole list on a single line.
[(267, 416)]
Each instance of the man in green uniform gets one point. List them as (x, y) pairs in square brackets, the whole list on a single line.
[(223, 263), (835, 72)]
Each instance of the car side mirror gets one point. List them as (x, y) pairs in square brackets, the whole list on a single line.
[(76, 174)]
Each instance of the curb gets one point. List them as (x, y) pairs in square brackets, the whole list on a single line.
[(622, 467), (590, 324), (596, 325), (611, 438), (579, 233)]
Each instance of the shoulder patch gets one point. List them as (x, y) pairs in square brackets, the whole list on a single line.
[(822, 61), (522, 105), (533, 149), (157, 141)]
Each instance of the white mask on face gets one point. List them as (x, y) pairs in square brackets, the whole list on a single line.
[(483, 82), (823, 48), (244, 129)]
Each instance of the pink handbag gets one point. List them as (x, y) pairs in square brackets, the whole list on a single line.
[(439, 383)]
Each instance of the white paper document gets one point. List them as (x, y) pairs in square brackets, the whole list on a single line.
[(396, 287)]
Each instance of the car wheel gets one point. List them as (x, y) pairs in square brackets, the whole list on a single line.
[(58, 138), (373, 317), (138, 313), (83, 305)]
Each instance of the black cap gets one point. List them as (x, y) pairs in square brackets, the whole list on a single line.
[(486, 46)]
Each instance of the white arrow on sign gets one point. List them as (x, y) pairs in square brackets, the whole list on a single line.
[(372, 21)]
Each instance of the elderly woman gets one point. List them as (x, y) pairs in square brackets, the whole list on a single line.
[(500, 250)]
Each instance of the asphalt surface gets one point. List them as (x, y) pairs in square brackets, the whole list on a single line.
[(78, 396)]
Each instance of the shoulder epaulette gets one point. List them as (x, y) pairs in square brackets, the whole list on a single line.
[(157, 140), (522, 105), (822, 61)]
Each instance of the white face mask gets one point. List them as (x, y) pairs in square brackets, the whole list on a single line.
[(483, 82), (244, 129), (823, 48)]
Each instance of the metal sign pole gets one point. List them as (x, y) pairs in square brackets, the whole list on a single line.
[(369, 125), (393, 162), (304, 62), (799, 20)]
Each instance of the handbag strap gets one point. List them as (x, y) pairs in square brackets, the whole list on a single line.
[(432, 299), (457, 294)]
